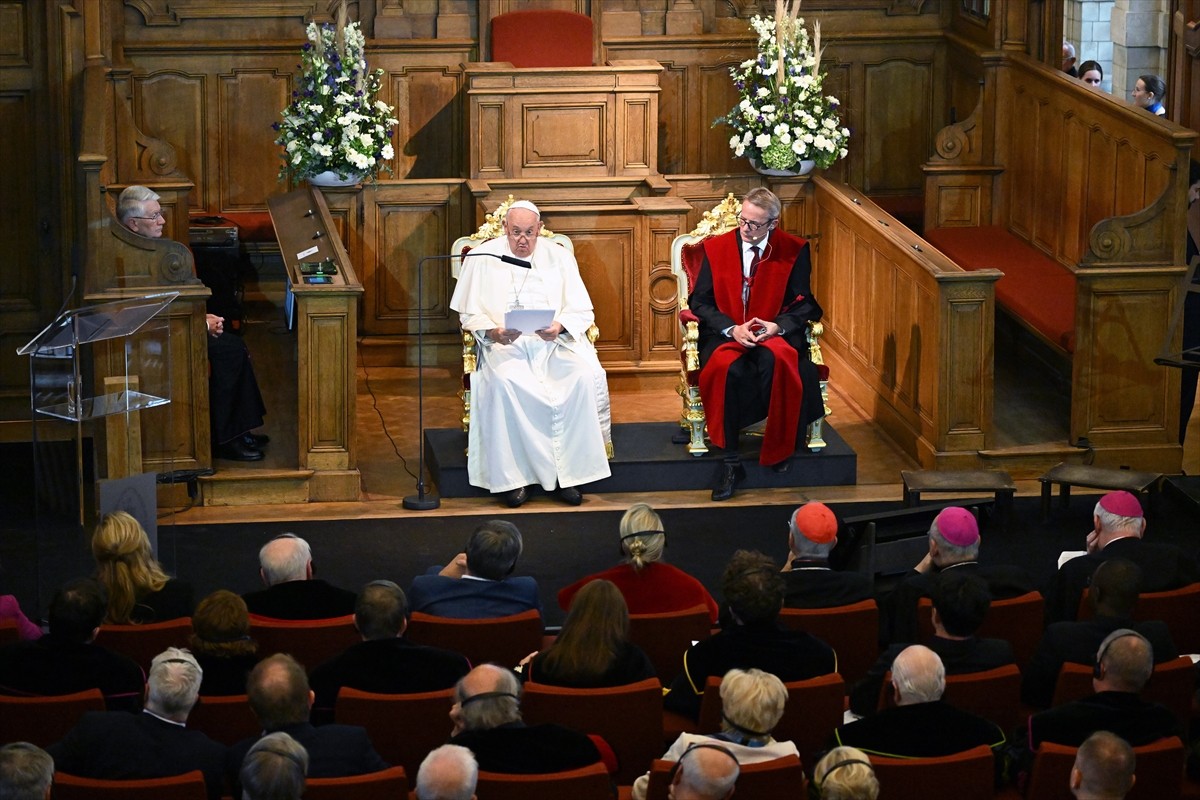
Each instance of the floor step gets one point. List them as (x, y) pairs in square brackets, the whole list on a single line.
[(245, 487)]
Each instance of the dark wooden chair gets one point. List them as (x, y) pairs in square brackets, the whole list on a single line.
[(188, 786), (665, 637), (501, 640)]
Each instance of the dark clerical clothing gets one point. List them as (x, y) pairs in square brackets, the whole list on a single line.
[(788, 655), (776, 379), (235, 403), (49, 666), (921, 730), (815, 585), (311, 599), (115, 745), (520, 749)]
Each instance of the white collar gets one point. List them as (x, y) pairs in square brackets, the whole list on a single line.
[(164, 719)]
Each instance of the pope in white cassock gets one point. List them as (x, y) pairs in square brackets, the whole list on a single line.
[(539, 399)]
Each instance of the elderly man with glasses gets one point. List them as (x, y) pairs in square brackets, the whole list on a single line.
[(753, 300), (235, 403)]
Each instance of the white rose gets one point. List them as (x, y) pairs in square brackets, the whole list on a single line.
[(798, 147), (317, 136), (739, 151), (763, 91), (762, 140), (296, 159), (735, 140), (387, 151)]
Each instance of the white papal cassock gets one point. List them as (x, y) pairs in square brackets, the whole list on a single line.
[(539, 410)]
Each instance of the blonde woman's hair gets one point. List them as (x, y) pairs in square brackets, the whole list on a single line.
[(642, 537), (845, 773), (752, 703), (125, 565)]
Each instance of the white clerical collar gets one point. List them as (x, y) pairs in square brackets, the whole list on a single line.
[(164, 719), (477, 578)]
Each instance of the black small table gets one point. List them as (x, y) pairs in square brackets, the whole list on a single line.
[(1144, 485), (961, 480)]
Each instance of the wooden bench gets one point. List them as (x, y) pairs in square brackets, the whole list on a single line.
[(1142, 484), (998, 482)]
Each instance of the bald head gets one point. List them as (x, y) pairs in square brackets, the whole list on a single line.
[(1125, 662), (448, 773), (1103, 768), (918, 676), (486, 697), (705, 773)]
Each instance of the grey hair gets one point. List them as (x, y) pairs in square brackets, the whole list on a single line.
[(1115, 522), (283, 567), (954, 553), (274, 769), (448, 773), (26, 772), (491, 712), (648, 545), (845, 773), (706, 779), (1106, 764), (130, 202), (919, 675), (1128, 659), (764, 199), (802, 546), (174, 682)]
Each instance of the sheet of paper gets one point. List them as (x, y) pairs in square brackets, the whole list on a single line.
[(528, 320), (1067, 555)]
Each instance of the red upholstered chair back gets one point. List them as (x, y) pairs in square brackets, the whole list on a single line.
[(766, 780), (851, 630), (814, 709), (542, 38), (143, 642), (691, 257), (1017, 620), (188, 786), (502, 640), (388, 783), (1171, 685), (586, 783), (628, 717), (312, 642), (225, 719), (1159, 771), (666, 637), (403, 727), (1179, 608), (953, 777), (9, 632), (45, 720)]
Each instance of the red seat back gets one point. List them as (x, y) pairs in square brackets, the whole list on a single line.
[(388, 783), (225, 719), (312, 642), (1017, 620), (586, 783), (542, 38), (45, 720), (143, 642), (851, 630), (766, 780), (500, 640), (1159, 771), (665, 637), (953, 777), (188, 786), (403, 727)]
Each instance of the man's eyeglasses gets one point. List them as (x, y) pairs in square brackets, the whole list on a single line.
[(517, 234), (751, 225), (157, 215)]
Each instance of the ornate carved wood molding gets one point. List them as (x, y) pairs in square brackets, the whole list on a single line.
[(176, 12)]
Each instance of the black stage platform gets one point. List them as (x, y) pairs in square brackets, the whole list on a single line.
[(646, 460)]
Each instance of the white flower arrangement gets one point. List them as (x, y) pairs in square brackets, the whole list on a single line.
[(334, 123), (783, 117)]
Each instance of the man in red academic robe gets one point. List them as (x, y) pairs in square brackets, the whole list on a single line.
[(753, 300)]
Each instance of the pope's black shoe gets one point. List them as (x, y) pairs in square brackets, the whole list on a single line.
[(517, 497), (238, 450), (570, 495), (731, 473)]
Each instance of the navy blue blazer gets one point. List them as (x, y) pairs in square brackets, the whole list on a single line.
[(471, 598)]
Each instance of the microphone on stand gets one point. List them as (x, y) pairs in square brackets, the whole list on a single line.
[(422, 501)]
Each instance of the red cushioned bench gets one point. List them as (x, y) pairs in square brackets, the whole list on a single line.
[(1035, 288), (253, 226)]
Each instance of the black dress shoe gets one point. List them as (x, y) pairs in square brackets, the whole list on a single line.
[(256, 440), (783, 466), (238, 450), (731, 473), (517, 497), (570, 495)]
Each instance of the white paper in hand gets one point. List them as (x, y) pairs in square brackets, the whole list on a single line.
[(528, 320)]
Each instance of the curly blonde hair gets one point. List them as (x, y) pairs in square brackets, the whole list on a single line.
[(125, 565)]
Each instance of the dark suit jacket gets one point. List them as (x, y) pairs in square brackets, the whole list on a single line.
[(816, 586), (386, 666), (334, 751), (789, 655), (49, 666), (898, 610), (468, 598), (923, 730), (1078, 643), (520, 749), (1164, 566), (1123, 713), (313, 599), (118, 745), (959, 656), (224, 676), (172, 601)]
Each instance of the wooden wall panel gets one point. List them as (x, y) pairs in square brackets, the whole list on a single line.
[(429, 137), (894, 126), (172, 106), (249, 103)]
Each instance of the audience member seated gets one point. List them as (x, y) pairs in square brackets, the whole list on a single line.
[(845, 773), (921, 724), (705, 771), (67, 660), (292, 592), (1118, 527), (448, 773), (282, 701), (1113, 594), (478, 583), (1124, 664), (807, 576), (953, 545), (274, 769), (138, 588), (1148, 93), (487, 721), (593, 649), (752, 704), (153, 744), (235, 404), (650, 585), (960, 603), (221, 642), (753, 589), (384, 661), (1103, 768), (26, 772), (1068, 59), (10, 609), (1091, 73)]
